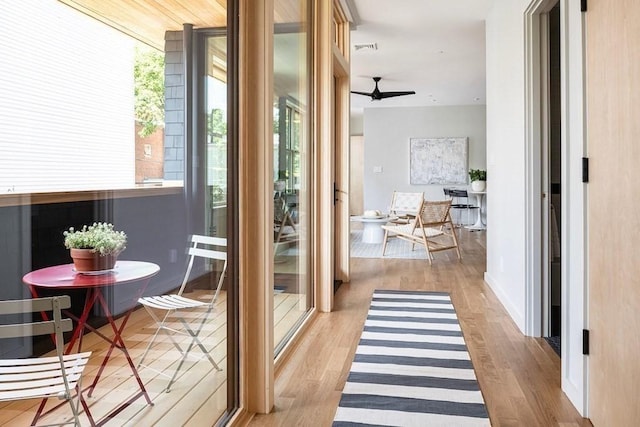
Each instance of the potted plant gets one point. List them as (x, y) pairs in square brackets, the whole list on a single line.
[(281, 183), (95, 247), (478, 179)]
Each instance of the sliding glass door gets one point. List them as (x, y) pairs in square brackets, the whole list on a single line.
[(129, 124), (291, 167)]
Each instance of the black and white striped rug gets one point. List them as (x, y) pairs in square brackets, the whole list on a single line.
[(411, 367)]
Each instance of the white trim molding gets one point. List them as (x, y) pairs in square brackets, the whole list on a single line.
[(573, 222)]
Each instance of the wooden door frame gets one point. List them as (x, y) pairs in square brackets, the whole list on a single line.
[(545, 138), (342, 162), (332, 139), (574, 374)]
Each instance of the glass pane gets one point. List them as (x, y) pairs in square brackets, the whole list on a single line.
[(98, 136), (292, 157), (215, 102)]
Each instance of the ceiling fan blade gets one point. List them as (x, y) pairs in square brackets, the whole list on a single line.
[(392, 94), (361, 93), (377, 95)]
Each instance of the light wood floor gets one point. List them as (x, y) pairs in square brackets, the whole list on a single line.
[(519, 376)]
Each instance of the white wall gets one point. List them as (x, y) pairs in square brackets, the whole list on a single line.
[(511, 161), (386, 144), (356, 124), (506, 155)]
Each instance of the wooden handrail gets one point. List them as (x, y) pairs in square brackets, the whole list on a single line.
[(26, 199)]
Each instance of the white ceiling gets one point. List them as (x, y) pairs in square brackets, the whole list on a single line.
[(434, 47)]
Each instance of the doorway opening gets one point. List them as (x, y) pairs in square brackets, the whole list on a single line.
[(552, 175)]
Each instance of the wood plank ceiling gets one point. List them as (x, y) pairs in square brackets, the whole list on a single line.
[(147, 20)]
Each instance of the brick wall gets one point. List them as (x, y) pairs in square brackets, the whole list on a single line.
[(149, 155)]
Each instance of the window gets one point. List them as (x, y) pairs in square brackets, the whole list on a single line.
[(88, 109), (292, 168), (287, 172), (83, 105)]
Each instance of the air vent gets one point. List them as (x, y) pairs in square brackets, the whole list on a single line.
[(372, 46)]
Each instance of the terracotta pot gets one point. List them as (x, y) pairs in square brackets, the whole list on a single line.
[(85, 260)]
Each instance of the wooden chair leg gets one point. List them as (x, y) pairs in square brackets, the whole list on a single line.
[(425, 242), (455, 239), (384, 242)]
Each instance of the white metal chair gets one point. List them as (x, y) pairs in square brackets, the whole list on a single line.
[(41, 377), (283, 226), (171, 304)]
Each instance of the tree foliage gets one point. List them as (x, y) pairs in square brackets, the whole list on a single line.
[(217, 126), (148, 75)]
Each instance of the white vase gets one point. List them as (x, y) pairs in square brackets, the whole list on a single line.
[(478, 185)]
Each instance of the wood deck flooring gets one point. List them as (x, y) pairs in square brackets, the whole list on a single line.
[(197, 398)]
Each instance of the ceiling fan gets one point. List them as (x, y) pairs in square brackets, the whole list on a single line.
[(377, 95)]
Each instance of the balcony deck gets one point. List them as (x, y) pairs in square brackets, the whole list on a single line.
[(197, 398)]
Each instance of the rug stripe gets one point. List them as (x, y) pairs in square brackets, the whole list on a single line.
[(429, 371), (408, 317), (398, 418), (412, 352), (414, 361), (405, 404), (413, 325), (350, 424), (412, 381), (410, 294), (413, 314), (393, 330), (409, 392), (412, 344), (390, 336), (413, 309), (411, 367), (415, 300), (423, 306)]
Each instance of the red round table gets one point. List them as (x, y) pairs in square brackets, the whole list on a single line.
[(64, 277)]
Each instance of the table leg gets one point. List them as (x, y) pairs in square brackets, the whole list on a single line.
[(478, 225), (78, 332), (118, 342), (372, 233)]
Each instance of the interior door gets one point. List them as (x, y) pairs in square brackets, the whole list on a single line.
[(613, 129)]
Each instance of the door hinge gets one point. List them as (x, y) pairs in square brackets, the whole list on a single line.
[(585, 342), (585, 169), (583, 5)]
